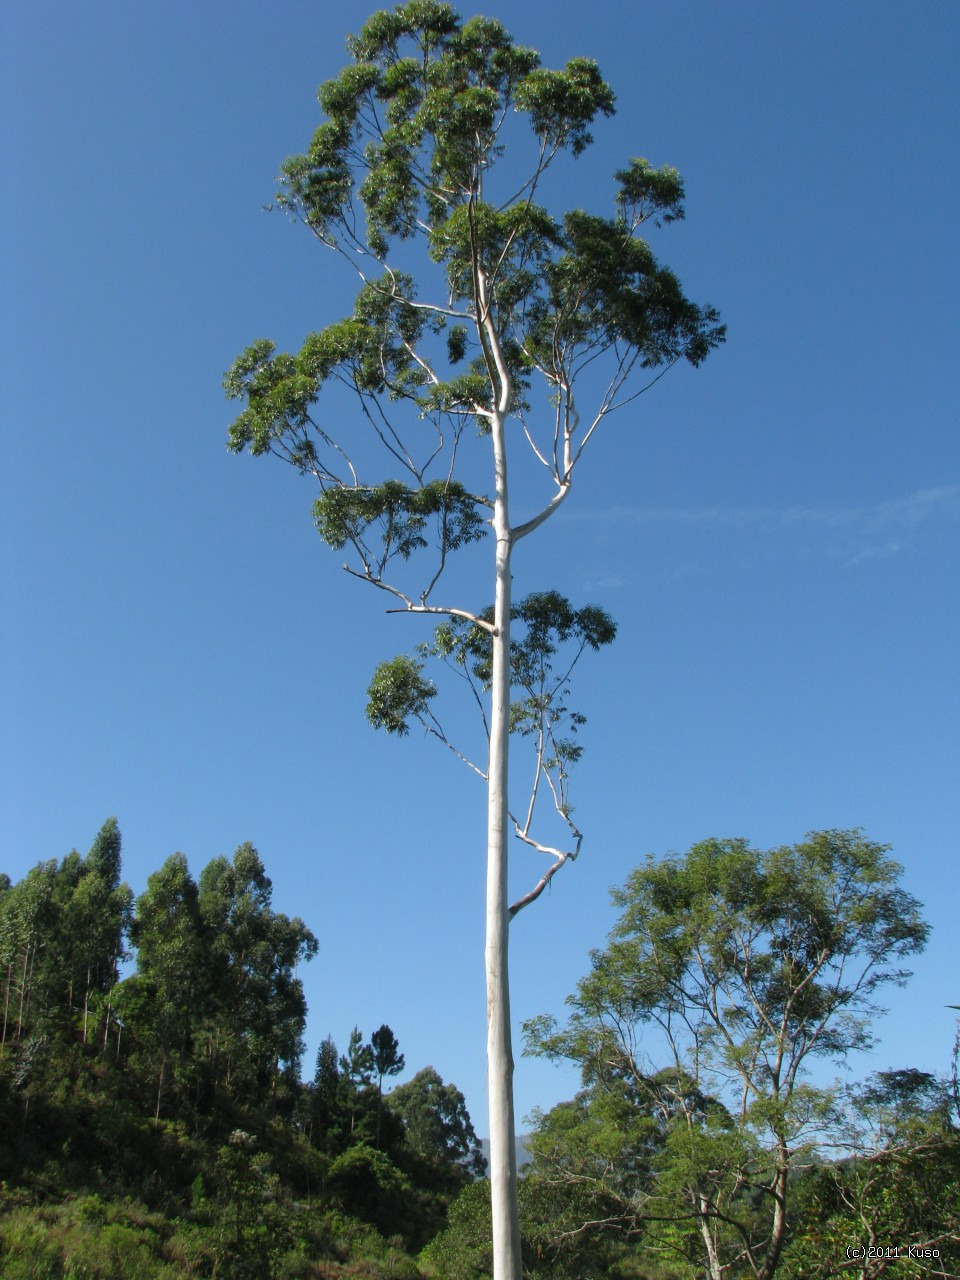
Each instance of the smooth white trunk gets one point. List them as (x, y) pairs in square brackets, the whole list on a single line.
[(503, 1151), (714, 1270)]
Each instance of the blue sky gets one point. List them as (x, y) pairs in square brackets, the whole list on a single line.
[(776, 533)]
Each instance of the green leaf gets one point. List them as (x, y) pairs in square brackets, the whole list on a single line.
[(397, 692)]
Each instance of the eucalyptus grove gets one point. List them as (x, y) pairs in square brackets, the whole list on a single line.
[(62, 932), (437, 138)]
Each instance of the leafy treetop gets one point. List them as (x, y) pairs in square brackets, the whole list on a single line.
[(413, 150)]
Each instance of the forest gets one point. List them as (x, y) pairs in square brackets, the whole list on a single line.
[(157, 1120)]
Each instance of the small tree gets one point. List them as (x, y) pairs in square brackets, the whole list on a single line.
[(170, 989), (387, 1061), (325, 1096), (424, 147), (438, 1126), (740, 966), (255, 1000), (356, 1073)]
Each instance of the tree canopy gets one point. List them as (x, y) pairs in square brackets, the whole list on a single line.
[(739, 967)]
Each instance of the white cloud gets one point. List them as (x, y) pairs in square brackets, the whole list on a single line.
[(889, 548), (854, 534), (941, 501), (610, 582)]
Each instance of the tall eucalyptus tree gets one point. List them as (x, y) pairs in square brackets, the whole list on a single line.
[(438, 136)]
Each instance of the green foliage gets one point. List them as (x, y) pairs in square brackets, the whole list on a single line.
[(356, 1065), (438, 1128), (548, 621), (362, 1253), (760, 953), (88, 1238), (741, 966), (103, 860), (325, 1096), (387, 1058), (227, 1178), (548, 639), (556, 1246), (899, 1182), (175, 1137), (160, 1001), (345, 1107), (248, 1190), (367, 1184), (62, 934), (256, 1006), (411, 150), (401, 515), (387, 1061), (398, 691), (463, 1251)]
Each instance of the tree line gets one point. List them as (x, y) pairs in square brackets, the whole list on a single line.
[(150, 1055), (159, 1124)]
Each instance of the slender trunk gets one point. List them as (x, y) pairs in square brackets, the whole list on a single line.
[(156, 1114), (714, 1269), (86, 1006), (779, 1224), (26, 1008), (23, 992), (503, 1151), (6, 1002)]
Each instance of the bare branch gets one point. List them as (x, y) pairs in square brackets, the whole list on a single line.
[(443, 610), (528, 526), (541, 884)]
